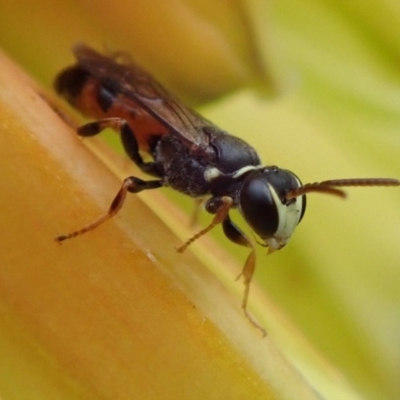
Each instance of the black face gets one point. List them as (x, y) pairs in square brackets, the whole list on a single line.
[(262, 201)]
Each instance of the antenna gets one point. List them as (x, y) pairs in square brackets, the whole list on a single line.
[(331, 187)]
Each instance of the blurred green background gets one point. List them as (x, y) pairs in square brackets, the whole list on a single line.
[(314, 86)]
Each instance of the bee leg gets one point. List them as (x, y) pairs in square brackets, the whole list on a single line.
[(233, 233), (196, 211), (220, 207), (128, 139), (131, 185)]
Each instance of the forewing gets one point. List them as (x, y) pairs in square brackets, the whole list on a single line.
[(133, 82)]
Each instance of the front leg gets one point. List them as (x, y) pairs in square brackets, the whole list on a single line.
[(220, 206), (235, 234)]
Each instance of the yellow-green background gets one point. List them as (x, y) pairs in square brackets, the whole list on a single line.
[(314, 87)]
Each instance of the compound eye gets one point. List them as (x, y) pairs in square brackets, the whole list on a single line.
[(258, 206), (264, 206)]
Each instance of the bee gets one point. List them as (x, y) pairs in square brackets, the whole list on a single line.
[(189, 154)]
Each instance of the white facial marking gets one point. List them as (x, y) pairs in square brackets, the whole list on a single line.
[(289, 217)]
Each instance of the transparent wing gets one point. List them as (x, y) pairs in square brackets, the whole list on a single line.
[(135, 83)]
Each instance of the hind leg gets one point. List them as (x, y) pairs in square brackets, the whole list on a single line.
[(128, 139)]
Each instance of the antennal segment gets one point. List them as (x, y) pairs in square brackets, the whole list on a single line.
[(331, 187)]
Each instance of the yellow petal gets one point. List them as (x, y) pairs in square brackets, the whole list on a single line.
[(116, 313)]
